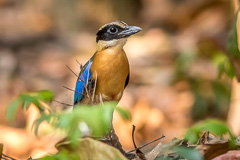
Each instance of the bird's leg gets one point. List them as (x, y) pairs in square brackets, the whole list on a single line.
[(112, 139)]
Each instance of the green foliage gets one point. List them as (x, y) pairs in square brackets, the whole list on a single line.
[(84, 120), (176, 149), (232, 43), (209, 94), (42, 118), (214, 126), (45, 95), (63, 155), (91, 120), (224, 65), (183, 61), (221, 94), (124, 113), (97, 118), (200, 105), (188, 153), (215, 97), (12, 109), (26, 99)]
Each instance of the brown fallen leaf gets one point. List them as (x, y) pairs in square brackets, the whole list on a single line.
[(154, 152), (92, 149), (230, 155), (214, 148)]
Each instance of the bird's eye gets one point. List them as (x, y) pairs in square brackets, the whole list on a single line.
[(113, 30)]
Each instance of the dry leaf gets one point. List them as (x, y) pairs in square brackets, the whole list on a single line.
[(92, 149)]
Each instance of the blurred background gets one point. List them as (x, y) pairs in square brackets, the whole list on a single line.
[(174, 62)]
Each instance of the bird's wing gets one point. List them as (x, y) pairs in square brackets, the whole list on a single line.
[(83, 78)]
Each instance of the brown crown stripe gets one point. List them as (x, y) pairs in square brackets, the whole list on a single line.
[(119, 23)]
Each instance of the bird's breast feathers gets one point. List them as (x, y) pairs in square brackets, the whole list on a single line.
[(110, 67)]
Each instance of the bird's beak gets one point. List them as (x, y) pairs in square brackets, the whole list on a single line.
[(129, 30)]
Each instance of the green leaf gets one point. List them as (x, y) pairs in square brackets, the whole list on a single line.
[(63, 155), (200, 105), (222, 95), (188, 153), (12, 109), (124, 113), (38, 121), (45, 95), (26, 99), (229, 70), (224, 65), (98, 118), (232, 43), (214, 126), (29, 98)]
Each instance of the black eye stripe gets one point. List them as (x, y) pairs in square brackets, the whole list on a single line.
[(105, 33)]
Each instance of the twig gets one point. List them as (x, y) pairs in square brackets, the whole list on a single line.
[(73, 90), (71, 70), (139, 153), (62, 103), (133, 130), (7, 157), (78, 62), (147, 144)]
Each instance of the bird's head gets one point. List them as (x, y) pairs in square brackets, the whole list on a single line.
[(114, 34)]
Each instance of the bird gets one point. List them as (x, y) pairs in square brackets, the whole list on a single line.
[(105, 76)]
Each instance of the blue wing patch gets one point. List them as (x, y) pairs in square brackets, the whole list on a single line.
[(84, 75)]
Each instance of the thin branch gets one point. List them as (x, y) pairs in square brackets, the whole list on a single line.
[(133, 130), (71, 70), (81, 80), (73, 90), (78, 62), (62, 103), (8, 157), (139, 153), (147, 144)]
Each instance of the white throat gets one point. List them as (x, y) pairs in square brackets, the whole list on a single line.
[(101, 45)]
